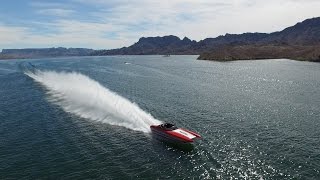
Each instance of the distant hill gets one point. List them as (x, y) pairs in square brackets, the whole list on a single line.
[(303, 37), (306, 33), (303, 33), (174, 45), (43, 52), (154, 45), (298, 42)]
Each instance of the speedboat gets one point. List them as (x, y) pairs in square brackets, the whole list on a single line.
[(170, 133)]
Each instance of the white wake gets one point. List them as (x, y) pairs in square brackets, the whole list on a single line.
[(78, 94)]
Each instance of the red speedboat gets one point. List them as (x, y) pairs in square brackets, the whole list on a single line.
[(169, 132)]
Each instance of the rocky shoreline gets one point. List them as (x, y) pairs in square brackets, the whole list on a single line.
[(255, 52)]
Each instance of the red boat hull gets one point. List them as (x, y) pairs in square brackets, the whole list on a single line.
[(177, 135)]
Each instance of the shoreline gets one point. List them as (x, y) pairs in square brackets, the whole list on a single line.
[(258, 52)]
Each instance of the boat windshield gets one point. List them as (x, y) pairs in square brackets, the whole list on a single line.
[(168, 126)]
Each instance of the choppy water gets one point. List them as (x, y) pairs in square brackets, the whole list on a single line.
[(88, 117)]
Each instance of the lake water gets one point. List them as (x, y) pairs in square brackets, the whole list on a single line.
[(88, 117)]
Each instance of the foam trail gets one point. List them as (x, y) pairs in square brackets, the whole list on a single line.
[(85, 97)]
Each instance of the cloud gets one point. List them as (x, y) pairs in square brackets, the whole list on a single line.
[(41, 4), (68, 33), (117, 23), (10, 36), (56, 12), (52, 8), (202, 18)]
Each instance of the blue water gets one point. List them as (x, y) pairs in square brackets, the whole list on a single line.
[(88, 117)]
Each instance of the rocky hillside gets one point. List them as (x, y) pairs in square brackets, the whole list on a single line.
[(303, 33), (174, 45), (301, 41), (298, 42), (154, 45), (230, 39), (300, 37)]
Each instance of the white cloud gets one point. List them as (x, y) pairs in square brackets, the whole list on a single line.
[(68, 33), (112, 24), (45, 5), (56, 12), (204, 18), (10, 36)]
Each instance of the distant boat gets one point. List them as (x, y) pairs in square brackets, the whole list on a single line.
[(166, 55)]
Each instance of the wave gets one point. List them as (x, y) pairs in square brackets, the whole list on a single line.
[(80, 95)]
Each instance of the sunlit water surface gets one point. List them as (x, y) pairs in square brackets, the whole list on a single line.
[(88, 117)]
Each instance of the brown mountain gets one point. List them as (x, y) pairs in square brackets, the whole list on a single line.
[(298, 42), (303, 37), (154, 45), (301, 42), (303, 33)]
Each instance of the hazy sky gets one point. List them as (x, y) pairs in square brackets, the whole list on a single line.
[(104, 24)]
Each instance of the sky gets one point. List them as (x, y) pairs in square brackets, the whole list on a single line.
[(107, 24)]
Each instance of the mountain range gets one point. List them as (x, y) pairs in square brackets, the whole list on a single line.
[(44, 52), (300, 41)]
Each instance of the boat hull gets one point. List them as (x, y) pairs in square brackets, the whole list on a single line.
[(175, 135), (163, 136)]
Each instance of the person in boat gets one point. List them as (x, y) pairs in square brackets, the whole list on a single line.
[(168, 126)]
